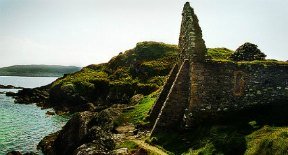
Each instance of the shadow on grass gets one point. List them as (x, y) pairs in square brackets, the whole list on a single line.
[(227, 135)]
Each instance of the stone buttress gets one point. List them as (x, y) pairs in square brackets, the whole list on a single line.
[(170, 106)]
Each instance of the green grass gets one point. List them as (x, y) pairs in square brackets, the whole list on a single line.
[(208, 149), (205, 140), (239, 138), (130, 145), (263, 62), (139, 112), (268, 140), (219, 53)]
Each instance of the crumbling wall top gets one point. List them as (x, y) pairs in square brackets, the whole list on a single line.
[(191, 44)]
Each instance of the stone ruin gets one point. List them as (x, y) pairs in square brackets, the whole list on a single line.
[(200, 90)]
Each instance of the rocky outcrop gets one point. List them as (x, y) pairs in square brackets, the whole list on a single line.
[(19, 153), (85, 133), (38, 95), (9, 87)]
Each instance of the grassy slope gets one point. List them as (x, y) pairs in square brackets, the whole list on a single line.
[(147, 63), (141, 70), (38, 70)]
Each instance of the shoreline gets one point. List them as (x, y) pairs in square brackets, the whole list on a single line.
[(30, 76)]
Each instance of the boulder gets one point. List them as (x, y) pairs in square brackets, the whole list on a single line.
[(71, 135), (9, 87), (14, 153), (19, 153), (85, 133), (46, 144), (11, 94)]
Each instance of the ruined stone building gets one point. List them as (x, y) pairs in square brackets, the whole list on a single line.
[(201, 90)]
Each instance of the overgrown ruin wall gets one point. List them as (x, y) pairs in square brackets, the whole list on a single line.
[(153, 114), (206, 90), (172, 112), (221, 87)]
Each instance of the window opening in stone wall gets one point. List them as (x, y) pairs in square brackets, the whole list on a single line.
[(239, 83)]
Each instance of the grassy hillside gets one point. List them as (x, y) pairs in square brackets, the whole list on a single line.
[(141, 70), (38, 70)]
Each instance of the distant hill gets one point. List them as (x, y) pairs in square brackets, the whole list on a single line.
[(38, 70)]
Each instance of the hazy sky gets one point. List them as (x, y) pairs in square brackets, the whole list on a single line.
[(82, 32)]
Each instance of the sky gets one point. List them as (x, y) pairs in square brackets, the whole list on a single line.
[(83, 32)]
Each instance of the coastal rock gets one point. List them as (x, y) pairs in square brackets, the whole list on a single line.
[(19, 153), (9, 87), (11, 94), (27, 95), (85, 133), (46, 144), (50, 113), (14, 153), (71, 135)]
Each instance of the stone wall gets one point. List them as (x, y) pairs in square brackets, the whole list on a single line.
[(171, 114), (153, 114), (191, 44), (224, 87)]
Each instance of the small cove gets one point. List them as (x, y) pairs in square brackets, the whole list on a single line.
[(23, 126)]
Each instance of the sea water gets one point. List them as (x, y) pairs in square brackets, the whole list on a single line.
[(23, 126)]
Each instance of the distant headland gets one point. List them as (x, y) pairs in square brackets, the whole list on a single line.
[(38, 70)]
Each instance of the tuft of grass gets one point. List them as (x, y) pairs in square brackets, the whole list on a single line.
[(208, 149), (268, 140), (139, 112), (130, 145), (219, 53)]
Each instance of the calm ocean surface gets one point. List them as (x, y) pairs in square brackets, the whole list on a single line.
[(23, 126)]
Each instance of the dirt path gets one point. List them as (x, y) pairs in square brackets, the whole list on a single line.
[(126, 132), (148, 147)]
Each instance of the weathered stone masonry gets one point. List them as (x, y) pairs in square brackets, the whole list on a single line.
[(202, 90)]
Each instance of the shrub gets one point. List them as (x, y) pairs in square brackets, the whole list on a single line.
[(247, 52)]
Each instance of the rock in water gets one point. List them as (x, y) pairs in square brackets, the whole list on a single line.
[(19, 153), (14, 153)]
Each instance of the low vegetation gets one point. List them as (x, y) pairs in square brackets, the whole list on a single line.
[(219, 53), (239, 138), (141, 70), (247, 52), (139, 112), (130, 145)]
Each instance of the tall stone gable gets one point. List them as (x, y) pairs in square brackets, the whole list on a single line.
[(169, 109), (191, 44)]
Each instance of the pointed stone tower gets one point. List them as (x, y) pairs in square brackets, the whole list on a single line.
[(169, 109), (191, 44)]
